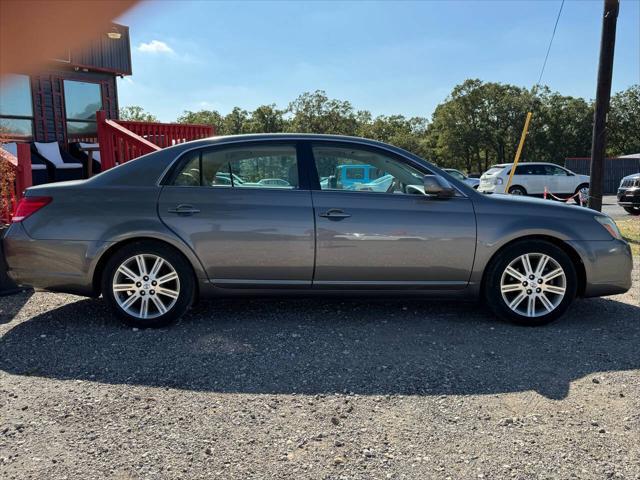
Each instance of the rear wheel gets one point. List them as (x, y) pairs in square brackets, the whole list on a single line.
[(530, 283), (148, 284), (633, 210), (517, 191)]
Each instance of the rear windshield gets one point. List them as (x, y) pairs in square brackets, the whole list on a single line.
[(494, 170)]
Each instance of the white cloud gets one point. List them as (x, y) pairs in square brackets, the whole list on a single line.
[(155, 46)]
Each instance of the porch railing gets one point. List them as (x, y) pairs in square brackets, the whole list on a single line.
[(168, 134), (12, 188), (121, 141)]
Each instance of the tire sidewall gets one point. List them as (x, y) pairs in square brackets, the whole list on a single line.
[(632, 210), (179, 263), (519, 189), (493, 294)]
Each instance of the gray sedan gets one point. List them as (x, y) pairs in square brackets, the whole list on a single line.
[(155, 233)]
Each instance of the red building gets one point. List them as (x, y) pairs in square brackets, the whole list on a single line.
[(60, 103)]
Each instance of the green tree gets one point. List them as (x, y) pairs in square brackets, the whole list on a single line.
[(317, 113), (623, 129), (236, 122), (203, 117), (266, 119), (136, 113)]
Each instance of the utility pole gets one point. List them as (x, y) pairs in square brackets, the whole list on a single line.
[(603, 94)]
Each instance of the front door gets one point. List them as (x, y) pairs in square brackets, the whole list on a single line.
[(244, 213), (371, 236)]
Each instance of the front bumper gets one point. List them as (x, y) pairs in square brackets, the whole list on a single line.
[(629, 197), (608, 266)]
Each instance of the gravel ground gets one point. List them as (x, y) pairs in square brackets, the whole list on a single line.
[(319, 388)]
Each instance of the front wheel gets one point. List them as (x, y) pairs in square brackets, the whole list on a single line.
[(583, 191), (530, 283), (148, 284), (632, 210)]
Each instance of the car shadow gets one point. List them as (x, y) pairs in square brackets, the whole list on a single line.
[(323, 346), (12, 303)]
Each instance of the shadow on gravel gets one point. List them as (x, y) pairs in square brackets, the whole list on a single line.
[(315, 346), (12, 303)]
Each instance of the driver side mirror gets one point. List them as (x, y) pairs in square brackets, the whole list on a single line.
[(436, 186)]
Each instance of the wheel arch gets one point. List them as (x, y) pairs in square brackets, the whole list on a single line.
[(98, 271), (565, 247), (511, 187)]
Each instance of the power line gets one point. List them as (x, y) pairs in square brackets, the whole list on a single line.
[(546, 57)]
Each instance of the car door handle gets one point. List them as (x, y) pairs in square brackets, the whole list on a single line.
[(335, 214), (185, 210)]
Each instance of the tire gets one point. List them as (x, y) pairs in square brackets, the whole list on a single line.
[(632, 210), (585, 193), (517, 191), (166, 300), (498, 278)]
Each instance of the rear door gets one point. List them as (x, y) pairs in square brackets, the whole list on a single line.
[(244, 233), (373, 239), (531, 176)]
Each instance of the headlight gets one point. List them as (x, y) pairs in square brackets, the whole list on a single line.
[(609, 225), (499, 181)]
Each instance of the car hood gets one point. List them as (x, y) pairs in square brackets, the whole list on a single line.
[(518, 201), (632, 176)]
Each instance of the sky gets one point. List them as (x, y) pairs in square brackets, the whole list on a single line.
[(388, 57)]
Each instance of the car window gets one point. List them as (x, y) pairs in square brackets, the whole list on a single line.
[(354, 169), (259, 166), (553, 170), (530, 169)]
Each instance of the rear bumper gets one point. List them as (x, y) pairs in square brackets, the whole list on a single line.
[(607, 264), (55, 265)]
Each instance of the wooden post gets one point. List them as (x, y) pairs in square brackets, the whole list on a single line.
[(23, 174), (603, 95), (525, 130), (107, 155)]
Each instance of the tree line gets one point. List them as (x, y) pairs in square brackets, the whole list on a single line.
[(477, 125)]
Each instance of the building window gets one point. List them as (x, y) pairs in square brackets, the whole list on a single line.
[(16, 107), (81, 101)]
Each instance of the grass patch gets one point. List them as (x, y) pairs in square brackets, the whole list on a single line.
[(630, 229)]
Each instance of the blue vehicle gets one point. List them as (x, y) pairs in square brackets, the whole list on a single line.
[(347, 176)]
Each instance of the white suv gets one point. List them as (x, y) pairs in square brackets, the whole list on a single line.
[(531, 178)]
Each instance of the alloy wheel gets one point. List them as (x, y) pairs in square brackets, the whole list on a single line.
[(146, 286), (533, 284)]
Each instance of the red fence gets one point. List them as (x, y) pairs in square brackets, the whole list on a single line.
[(20, 168), (121, 141), (168, 134)]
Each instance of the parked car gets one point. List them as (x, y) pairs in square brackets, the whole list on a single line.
[(150, 244), (629, 194), (472, 182), (531, 178), (274, 182), (349, 175)]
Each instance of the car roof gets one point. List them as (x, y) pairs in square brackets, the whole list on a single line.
[(526, 163)]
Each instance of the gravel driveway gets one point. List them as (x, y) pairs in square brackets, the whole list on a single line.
[(319, 388)]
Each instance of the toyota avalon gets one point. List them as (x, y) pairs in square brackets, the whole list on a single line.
[(250, 214)]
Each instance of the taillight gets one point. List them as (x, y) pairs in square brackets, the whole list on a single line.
[(28, 206)]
